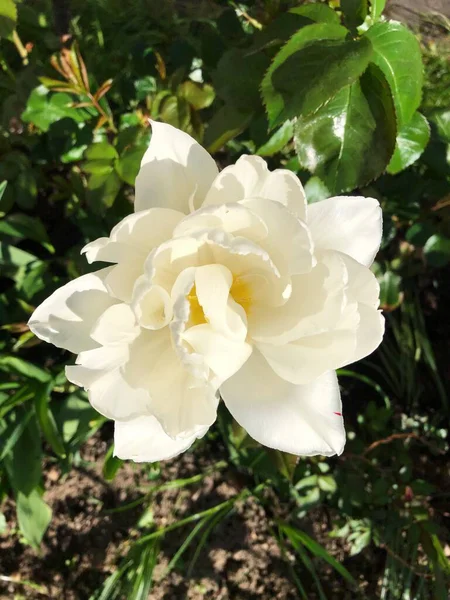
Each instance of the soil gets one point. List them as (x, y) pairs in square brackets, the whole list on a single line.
[(83, 543)]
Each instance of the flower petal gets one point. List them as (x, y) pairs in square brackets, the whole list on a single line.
[(288, 241), (213, 283), (233, 218), (98, 372), (183, 404), (304, 360), (224, 356), (250, 178), (350, 224), (116, 325), (128, 246), (143, 440), (301, 419), (66, 318), (176, 172), (151, 304), (369, 334)]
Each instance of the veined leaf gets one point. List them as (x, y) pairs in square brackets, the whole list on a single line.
[(311, 69), (350, 141), (396, 52), (411, 142)]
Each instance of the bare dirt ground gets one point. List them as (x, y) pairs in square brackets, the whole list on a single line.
[(80, 549)]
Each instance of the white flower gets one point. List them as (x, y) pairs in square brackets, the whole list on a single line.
[(221, 283)]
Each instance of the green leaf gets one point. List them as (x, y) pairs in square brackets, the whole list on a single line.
[(73, 418), (12, 434), (361, 541), (319, 13), (284, 462), (111, 465), (277, 140), (411, 142), (25, 189), (278, 31), (390, 291), (350, 141), (8, 18), (102, 190), (14, 364), (316, 190), (437, 250), (317, 550), (145, 87), (311, 69), (355, 11), (199, 95), (441, 119), (237, 79), (33, 515), (11, 256), (42, 111), (127, 166), (327, 483), (3, 185), (419, 233), (100, 158), (376, 8), (23, 226), (24, 463), (396, 52), (226, 124), (46, 419)]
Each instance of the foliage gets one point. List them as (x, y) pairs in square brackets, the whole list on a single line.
[(331, 91)]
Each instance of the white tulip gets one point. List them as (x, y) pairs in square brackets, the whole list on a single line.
[(221, 283)]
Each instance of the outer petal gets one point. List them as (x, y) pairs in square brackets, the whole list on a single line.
[(250, 178), (350, 224), (66, 318), (176, 172), (128, 246), (98, 371), (369, 334), (301, 419), (143, 440), (304, 360)]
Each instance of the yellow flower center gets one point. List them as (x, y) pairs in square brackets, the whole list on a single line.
[(240, 291)]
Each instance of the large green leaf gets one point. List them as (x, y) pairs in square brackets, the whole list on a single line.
[(411, 141), (311, 69), (396, 52), (8, 17), (287, 24), (350, 141)]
